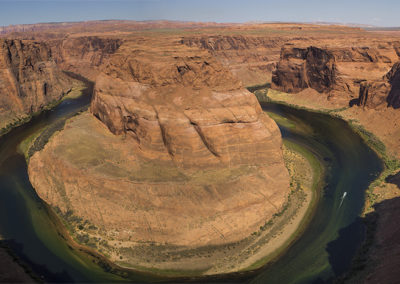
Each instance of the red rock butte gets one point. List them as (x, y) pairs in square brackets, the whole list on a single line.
[(175, 151)]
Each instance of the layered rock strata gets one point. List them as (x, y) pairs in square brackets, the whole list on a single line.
[(179, 155), (251, 58), (29, 79), (83, 55), (343, 73)]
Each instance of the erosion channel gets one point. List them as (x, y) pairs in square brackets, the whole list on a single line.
[(324, 249)]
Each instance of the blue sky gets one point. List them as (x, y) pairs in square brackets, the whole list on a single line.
[(379, 13)]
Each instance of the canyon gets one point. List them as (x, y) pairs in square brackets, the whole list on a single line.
[(30, 80), (183, 143), (173, 137)]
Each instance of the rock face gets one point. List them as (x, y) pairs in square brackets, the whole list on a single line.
[(181, 155), (393, 99), (341, 72), (251, 52), (29, 79), (305, 68), (251, 58), (83, 55), (373, 94), (381, 93)]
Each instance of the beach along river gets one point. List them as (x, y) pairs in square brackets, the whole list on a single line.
[(323, 250)]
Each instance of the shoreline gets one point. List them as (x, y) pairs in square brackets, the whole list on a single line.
[(379, 189), (286, 233), (12, 268), (76, 91), (282, 241), (294, 229), (390, 163)]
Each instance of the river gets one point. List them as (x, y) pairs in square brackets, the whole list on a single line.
[(323, 251)]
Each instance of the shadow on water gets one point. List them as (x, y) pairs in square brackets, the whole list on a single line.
[(35, 270), (327, 247), (378, 259), (323, 251), (342, 250)]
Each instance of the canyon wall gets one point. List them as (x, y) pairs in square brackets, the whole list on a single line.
[(335, 71), (384, 92), (29, 79), (83, 55), (250, 58), (361, 75)]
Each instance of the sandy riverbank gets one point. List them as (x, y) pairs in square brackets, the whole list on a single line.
[(305, 179), (272, 239), (276, 236)]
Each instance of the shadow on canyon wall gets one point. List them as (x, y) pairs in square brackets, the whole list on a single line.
[(377, 260)]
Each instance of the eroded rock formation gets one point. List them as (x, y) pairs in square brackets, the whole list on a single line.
[(29, 79), (342, 72), (181, 154), (251, 58), (83, 55), (393, 98)]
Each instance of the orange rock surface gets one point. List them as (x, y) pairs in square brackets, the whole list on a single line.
[(29, 79), (176, 152)]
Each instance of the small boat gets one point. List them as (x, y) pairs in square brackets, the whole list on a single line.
[(343, 196)]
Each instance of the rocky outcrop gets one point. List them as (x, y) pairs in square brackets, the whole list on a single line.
[(381, 93), (29, 79), (305, 68), (373, 94), (250, 58), (393, 98), (195, 128), (336, 71), (181, 155), (83, 55)]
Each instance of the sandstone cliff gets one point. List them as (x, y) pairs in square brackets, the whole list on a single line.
[(180, 155), (251, 58), (342, 73), (381, 93), (393, 98), (83, 55), (29, 79)]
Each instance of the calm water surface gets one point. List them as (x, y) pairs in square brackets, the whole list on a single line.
[(323, 251)]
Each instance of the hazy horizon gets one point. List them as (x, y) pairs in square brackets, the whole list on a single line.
[(373, 13)]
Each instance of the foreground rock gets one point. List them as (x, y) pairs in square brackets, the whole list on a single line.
[(29, 80), (176, 155)]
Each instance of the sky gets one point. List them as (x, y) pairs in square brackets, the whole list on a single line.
[(377, 13)]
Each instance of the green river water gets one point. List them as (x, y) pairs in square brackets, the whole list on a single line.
[(323, 251)]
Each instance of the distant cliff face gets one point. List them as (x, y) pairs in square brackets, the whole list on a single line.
[(393, 77), (29, 79), (381, 92), (342, 72), (250, 58), (83, 55), (305, 68)]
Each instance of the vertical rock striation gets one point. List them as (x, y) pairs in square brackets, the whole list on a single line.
[(29, 79)]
